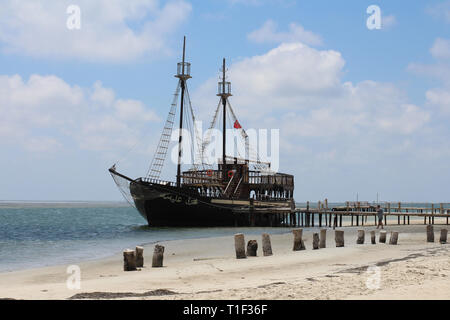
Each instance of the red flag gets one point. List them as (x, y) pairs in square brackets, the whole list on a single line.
[(237, 125)]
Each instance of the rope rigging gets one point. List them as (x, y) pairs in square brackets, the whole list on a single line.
[(197, 144), (154, 171)]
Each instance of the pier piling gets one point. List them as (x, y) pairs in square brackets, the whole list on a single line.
[(323, 238), (339, 238), (430, 233), (158, 257), (360, 239), (382, 238), (266, 245), (315, 241), (239, 245), (139, 257), (443, 238), (372, 237), (298, 242), (252, 248), (394, 238), (129, 260)]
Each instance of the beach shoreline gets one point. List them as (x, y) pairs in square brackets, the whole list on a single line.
[(206, 268)]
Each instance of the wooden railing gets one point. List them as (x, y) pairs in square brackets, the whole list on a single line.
[(202, 177), (255, 177), (157, 181)]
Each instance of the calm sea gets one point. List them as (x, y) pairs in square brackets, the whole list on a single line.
[(43, 234), (37, 235)]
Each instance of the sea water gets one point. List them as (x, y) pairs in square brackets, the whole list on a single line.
[(44, 234), (40, 234)]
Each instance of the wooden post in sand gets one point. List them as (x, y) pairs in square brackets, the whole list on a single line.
[(129, 260), (139, 257), (348, 211), (389, 213), (394, 238), (382, 236), (319, 211), (372, 237), (443, 238), (339, 238), (432, 213), (316, 241), (239, 245), (357, 213), (306, 214), (361, 236), (266, 245), (298, 242), (252, 248), (158, 257), (430, 233), (330, 217), (323, 238)]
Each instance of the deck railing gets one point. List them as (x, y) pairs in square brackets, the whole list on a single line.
[(157, 181), (256, 177)]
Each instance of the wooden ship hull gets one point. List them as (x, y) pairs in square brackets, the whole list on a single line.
[(168, 207), (164, 205)]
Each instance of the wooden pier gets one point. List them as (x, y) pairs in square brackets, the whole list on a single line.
[(364, 213)]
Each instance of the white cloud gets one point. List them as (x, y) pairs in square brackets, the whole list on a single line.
[(38, 28), (437, 98), (440, 10), (321, 118), (42, 144), (439, 70), (441, 49), (44, 113), (440, 98), (288, 76), (306, 83), (102, 96), (268, 33)]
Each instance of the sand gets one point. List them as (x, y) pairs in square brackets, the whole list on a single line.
[(207, 269)]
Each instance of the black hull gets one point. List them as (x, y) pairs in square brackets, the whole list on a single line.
[(166, 206)]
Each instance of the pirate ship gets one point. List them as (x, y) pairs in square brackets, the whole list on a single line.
[(236, 192)]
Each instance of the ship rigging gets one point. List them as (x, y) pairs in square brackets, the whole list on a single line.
[(241, 191)]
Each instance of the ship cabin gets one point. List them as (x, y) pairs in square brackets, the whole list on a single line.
[(235, 180)]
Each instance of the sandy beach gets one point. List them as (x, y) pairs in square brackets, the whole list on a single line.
[(207, 269)]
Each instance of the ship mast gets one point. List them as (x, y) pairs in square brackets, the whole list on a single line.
[(224, 92), (183, 73)]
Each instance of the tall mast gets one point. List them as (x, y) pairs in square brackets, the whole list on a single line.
[(224, 93), (183, 73), (224, 104)]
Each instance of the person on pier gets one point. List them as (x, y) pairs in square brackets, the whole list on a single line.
[(380, 214)]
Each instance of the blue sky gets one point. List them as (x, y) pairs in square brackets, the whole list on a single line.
[(358, 110)]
